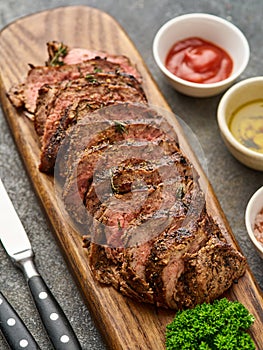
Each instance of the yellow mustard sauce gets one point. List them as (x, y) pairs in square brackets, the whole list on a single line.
[(246, 124)]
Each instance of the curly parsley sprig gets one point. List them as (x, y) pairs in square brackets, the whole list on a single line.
[(220, 325)]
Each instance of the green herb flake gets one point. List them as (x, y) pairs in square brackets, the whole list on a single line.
[(97, 70), (120, 127), (57, 59), (91, 78), (180, 192), (221, 325)]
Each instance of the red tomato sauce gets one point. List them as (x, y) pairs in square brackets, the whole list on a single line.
[(198, 61)]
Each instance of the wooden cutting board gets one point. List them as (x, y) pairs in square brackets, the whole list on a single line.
[(125, 324)]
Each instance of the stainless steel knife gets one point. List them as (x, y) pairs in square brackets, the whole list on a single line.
[(13, 328), (18, 247)]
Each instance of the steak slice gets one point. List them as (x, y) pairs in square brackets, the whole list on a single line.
[(110, 267), (58, 107), (24, 95)]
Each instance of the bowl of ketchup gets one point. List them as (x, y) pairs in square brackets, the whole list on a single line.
[(200, 54)]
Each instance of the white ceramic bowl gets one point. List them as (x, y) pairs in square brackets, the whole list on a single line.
[(254, 206), (239, 94), (210, 28)]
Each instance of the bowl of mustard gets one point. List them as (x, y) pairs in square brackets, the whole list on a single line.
[(240, 120)]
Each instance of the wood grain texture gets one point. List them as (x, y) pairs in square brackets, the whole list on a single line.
[(124, 323)]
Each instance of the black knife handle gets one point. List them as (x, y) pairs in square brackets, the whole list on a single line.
[(13, 328), (53, 318)]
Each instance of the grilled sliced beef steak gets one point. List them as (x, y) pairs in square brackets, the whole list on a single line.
[(58, 106), (125, 181)]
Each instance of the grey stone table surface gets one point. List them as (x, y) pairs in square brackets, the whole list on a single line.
[(233, 183)]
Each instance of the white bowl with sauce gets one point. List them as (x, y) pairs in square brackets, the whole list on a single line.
[(214, 30), (253, 210), (240, 120)]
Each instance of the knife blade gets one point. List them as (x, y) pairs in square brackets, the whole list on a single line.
[(17, 245), (13, 328)]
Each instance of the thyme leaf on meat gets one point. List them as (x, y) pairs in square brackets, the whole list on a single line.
[(219, 325), (97, 70), (120, 127), (57, 59), (180, 192), (91, 78)]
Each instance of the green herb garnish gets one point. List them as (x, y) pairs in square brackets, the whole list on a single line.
[(57, 59), (220, 325), (120, 127), (91, 78), (97, 70), (180, 192)]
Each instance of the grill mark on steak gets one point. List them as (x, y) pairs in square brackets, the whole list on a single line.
[(102, 90), (120, 181), (164, 187)]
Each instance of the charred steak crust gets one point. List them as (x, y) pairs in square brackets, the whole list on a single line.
[(170, 274), (208, 273)]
